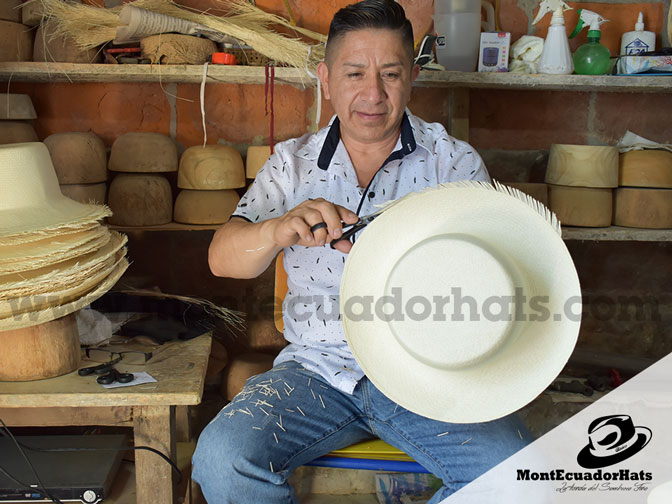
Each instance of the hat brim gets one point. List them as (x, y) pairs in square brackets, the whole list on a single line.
[(425, 245), (586, 459), (52, 214), (52, 250), (32, 318), (40, 234), (67, 274)]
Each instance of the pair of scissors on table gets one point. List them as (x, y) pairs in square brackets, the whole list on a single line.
[(349, 229), (107, 373)]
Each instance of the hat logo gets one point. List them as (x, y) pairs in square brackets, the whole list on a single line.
[(612, 439)]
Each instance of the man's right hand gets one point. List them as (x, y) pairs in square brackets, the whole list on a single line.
[(293, 228)]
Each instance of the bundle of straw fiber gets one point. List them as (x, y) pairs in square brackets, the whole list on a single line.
[(55, 256), (92, 26)]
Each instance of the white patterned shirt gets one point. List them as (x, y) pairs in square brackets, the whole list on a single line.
[(318, 166)]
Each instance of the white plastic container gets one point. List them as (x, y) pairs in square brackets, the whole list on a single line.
[(636, 42), (458, 26), (556, 57)]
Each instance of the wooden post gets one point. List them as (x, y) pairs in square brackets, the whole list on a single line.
[(182, 424), (154, 426), (459, 113)]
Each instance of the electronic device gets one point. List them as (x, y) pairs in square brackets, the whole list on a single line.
[(70, 476)]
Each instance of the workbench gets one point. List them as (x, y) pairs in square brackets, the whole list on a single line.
[(150, 409)]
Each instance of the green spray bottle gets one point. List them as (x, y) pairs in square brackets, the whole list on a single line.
[(592, 58)]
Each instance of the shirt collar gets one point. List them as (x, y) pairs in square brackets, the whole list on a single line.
[(333, 138)]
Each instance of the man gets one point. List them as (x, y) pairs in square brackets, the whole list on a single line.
[(316, 398)]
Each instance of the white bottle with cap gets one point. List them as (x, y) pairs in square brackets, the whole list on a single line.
[(638, 41)]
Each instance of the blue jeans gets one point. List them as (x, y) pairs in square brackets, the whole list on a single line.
[(289, 416)]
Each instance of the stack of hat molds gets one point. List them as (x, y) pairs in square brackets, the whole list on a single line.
[(538, 191), (208, 176), (80, 161), (644, 196), (140, 195), (255, 158), (16, 39), (580, 182), (16, 116)]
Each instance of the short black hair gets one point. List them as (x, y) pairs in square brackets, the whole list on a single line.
[(380, 14)]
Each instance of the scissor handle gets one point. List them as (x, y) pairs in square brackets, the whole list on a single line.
[(354, 228), (115, 375), (125, 377), (108, 378)]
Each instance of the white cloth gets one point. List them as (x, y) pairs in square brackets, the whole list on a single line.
[(525, 54), (632, 141), (318, 166)]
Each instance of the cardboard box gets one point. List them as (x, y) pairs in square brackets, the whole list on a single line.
[(493, 55)]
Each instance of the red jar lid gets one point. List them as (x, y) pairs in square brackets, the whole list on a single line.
[(222, 58)]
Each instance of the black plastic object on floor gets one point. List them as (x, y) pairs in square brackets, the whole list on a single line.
[(84, 476)]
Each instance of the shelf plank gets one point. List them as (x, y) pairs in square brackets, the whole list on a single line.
[(80, 72), (224, 74), (613, 233), (542, 82), (171, 226), (616, 233)]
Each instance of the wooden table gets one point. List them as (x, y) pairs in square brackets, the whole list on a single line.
[(178, 367)]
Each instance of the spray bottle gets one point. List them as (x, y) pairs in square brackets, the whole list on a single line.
[(556, 58), (592, 58)]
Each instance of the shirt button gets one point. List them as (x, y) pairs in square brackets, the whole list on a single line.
[(372, 195)]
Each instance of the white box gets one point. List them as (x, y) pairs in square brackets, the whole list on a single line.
[(493, 55)]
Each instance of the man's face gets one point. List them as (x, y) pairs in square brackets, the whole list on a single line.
[(368, 80)]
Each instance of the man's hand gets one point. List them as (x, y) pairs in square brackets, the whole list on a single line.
[(293, 228)]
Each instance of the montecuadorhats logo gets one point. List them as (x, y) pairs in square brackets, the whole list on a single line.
[(612, 439)]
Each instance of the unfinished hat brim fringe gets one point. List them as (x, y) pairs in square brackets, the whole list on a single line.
[(43, 300), (467, 261), (30, 197), (52, 312), (63, 275), (91, 240), (38, 235)]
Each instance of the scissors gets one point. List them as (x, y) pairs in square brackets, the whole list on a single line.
[(115, 375), (107, 372), (353, 228)]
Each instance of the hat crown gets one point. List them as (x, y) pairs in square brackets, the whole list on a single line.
[(27, 176)]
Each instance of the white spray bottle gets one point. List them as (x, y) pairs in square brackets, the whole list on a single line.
[(556, 58)]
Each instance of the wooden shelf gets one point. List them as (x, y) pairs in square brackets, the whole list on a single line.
[(613, 233), (171, 226), (616, 233), (71, 72)]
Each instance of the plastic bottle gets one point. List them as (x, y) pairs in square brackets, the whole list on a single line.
[(636, 42), (556, 58), (458, 26), (592, 58)]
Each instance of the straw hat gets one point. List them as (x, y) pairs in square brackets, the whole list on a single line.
[(30, 198), (474, 301), (55, 257)]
